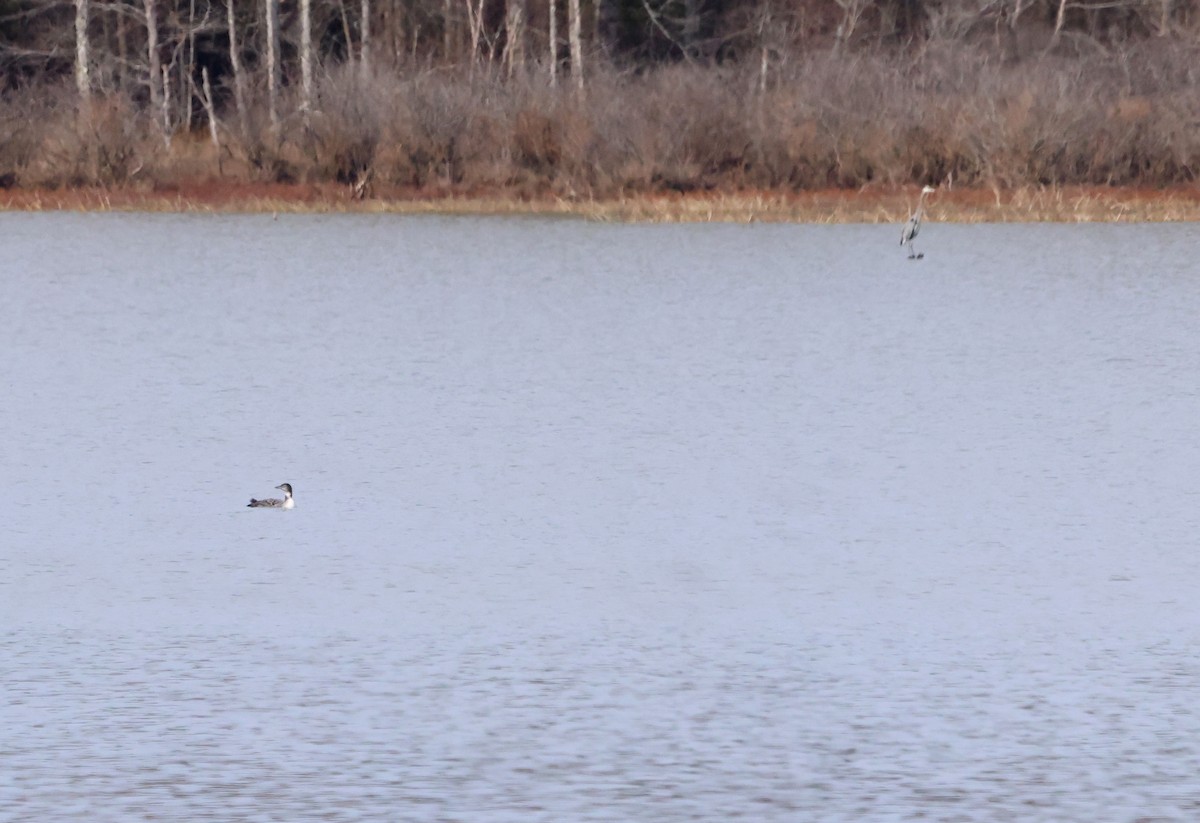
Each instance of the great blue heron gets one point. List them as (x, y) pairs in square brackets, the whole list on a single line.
[(914, 224)]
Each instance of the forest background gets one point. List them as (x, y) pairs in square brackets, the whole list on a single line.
[(599, 99)]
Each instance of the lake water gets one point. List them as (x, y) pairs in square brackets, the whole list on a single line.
[(597, 522)]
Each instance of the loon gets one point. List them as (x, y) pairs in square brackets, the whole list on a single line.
[(274, 502)]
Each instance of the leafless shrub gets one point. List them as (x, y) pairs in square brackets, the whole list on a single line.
[(345, 131), (1126, 114), (111, 142), (22, 121), (436, 127)]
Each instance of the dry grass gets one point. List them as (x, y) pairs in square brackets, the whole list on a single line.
[(877, 205)]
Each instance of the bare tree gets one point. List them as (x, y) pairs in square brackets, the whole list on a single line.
[(82, 57), (475, 24), (364, 48), (274, 72), (306, 57), (852, 12), (153, 63), (514, 29), (552, 38), (575, 35), (1166, 10), (211, 111), (122, 46), (235, 64), (1059, 19)]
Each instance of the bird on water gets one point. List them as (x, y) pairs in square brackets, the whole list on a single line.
[(914, 224), (275, 502)]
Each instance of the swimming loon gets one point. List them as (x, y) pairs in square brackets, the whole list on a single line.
[(274, 502)]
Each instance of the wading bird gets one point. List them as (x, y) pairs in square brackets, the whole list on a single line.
[(274, 502), (914, 225)]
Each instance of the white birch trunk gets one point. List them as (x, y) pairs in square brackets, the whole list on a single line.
[(274, 72), (235, 64), (553, 35), (1059, 19), (364, 49), (188, 70), (306, 57), (475, 20), (83, 80), (122, 50), (575, 34), (1164, 20), (152, 62), (166, 103), (211, 110), (514, 30)]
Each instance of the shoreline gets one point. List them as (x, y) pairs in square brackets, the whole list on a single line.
[(1060, 204)]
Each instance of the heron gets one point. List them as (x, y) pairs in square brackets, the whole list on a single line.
[(914, 224)]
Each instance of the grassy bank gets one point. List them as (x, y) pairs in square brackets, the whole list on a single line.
[(870, 205)]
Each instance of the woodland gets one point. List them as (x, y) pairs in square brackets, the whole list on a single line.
[(599, 98)]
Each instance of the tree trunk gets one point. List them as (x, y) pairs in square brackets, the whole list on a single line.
[(211, 110), (152, 61), (166, 104), (235, 63), (514, 33), (83, 80), (553, 37), (1164, 18), (851, 13), (274, 73), (306, 57), (691, 26), (122, 49), (475, 21), (364, 49), (1059, 19), (187, 67), (575, 34)]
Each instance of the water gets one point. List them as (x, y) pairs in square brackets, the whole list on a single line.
[(597, 522)]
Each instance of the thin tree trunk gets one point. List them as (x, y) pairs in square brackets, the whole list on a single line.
[(514, 32), (235, 63), (83, 82), (166, 103), (764, 61), (189, 68), (1059, 19), (447, 29), (211, 110), (475, 20), (345, 18), (122, 49), (575, 34), (1164, 19), (691, 26), (274, 73), (851, 12), (306, 57), (152, 61), (553, 35), (364, 49)]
